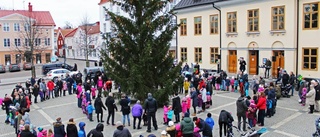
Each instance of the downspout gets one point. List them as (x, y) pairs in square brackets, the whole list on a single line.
[(176, 36), (220, 35), (297, 44)]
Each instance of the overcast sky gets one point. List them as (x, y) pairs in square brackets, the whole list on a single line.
[(61, 10)]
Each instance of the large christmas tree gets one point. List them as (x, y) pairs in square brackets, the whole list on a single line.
[(137, 57)]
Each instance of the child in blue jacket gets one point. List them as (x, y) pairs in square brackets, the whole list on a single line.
[(90, 110), (210, 121)]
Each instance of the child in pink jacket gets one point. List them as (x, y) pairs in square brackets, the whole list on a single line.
[(93, 92), (188, 103), (184, 105), (165, 113)]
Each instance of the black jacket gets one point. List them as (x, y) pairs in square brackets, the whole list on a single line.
[(176, 105), (23, 102), (292, 79), (25, 133), (58, 129), (60, 84), (36, 91), (96, 132), (151, 105), (98, 105), (317, 96), (204, 128), (241, 107), (111, 104), (125, 108), (285, 78), (72, 130), (225, 117)]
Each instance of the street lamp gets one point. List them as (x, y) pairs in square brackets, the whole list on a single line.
[(65, 58)]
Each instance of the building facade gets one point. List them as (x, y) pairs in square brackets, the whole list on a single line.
[(107, 25), (85, 40), (283, 31), (15, 29)]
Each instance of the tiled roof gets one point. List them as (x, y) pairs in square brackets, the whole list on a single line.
[(43, 18), (64, 32), (92, 29), (71, 34), (192, 3), (103, 1)]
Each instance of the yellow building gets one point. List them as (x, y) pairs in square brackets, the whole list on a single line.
[(279, 30), (21, 28)]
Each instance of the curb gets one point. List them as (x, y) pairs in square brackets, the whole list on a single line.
[(11, 83)]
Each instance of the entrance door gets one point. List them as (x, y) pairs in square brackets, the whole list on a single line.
[(232, 61), (277, 61), (253, 62)]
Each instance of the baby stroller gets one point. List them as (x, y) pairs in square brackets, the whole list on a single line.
[(250, 133), (285, 90), (317, 133)]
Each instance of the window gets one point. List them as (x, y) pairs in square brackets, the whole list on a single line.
[(310, 13), (278, 18), (310, 58), (16, 26), (232, 22), (94, 53), (27, 27), (6, 42), (214, 24), (253, 20), (47, 41), (37, 41), (198, 55), (28, 42), (6, 27), (214, 55), (7, 58), (197, 25), (18, 58), (17, 42), (48, 57), (183, 52), (183, 27)]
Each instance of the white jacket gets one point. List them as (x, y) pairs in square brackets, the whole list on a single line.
[(311, 97), (204, 94)]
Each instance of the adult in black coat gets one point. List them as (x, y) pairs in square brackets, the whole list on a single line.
[(72, 130), (285, 78), (242, 64), (87, 86), (75, 67), (98, 105), (96, 132), (58, 128), (26, 132), (176, 107), (36, 92), (125, 109), (225, 119), (111, 105), (23, 101), (151, 107), (204, 127), (60, 86)]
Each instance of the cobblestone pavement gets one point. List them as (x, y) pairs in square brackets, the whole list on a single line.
[(291, 119)]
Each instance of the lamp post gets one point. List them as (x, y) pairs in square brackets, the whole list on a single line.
[(65, 58)]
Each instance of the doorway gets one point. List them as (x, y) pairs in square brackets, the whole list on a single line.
[(253, 62), (277, 61), (232, 61)]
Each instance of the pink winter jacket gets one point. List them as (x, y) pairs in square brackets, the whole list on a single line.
[(100, 83), (79, 89), (43, 133), (184, 107)]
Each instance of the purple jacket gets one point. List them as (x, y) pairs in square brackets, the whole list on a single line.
[(137, 110)]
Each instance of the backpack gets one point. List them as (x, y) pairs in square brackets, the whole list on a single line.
[(269, 104)]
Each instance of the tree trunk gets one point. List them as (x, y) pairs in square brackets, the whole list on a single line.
[(87, 61), (33, 68)]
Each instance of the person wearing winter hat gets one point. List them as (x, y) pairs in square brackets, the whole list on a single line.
[(58, 128), (42, 132), (72, 130), (82, 132), (121, 131), (97, 132), (171, 129), (187, 126)]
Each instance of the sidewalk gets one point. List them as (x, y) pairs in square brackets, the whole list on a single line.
[(9, 81)]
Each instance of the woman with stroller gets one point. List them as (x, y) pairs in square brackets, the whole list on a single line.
[(225, 120)]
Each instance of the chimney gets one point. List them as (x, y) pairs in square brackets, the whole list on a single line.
[(97, 23), (30, 7)]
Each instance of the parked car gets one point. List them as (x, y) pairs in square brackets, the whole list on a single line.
[(27, 66), (94, 71), (51, 66), (14, 67), (57, 73), (2, 68)]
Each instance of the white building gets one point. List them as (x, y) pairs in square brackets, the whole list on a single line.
[(82, 42), (106, 22), (284, 31)]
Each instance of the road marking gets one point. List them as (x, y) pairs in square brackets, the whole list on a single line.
[(60, 105), (46, 116), (282, 122), (222, 106), (35, 106), (285, 133)]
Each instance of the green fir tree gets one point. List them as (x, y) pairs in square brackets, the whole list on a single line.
[(137, 57)]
